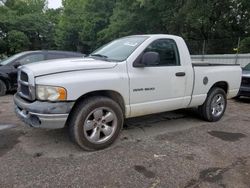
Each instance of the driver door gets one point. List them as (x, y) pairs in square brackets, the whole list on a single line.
[(160, 87)]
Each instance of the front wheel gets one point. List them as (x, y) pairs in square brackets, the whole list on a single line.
[(96, 123), (215, 105)]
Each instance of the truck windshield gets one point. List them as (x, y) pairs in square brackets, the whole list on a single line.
[(120, 49)]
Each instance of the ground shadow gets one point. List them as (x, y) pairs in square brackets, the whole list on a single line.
[(148, 120), (243, 100)]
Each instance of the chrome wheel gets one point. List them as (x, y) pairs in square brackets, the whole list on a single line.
[(100, 125), (218, 105)]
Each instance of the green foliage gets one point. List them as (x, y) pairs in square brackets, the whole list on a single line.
[(26, 6), (29, 22), (83, 25), (140, 17), (70, 24), (17, 41), (245, 45), (96, 18), (80, 23), (3, 46)]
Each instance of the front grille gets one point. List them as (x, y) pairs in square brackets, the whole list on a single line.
[(245, 81), (24, 77), (24, 90), (26, 84)]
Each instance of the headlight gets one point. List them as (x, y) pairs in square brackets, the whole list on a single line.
[(51, 93)]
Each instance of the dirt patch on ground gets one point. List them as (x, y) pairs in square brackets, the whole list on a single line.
[(9, 138)]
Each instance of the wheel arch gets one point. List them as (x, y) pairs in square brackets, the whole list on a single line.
[(114, 95), (221, 84)]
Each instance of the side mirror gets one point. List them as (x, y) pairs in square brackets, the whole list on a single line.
[(17, 64), (148, 59)]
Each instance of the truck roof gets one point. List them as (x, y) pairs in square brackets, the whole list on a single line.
[(159, 35)]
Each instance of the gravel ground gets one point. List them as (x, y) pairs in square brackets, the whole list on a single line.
[(174, 149)]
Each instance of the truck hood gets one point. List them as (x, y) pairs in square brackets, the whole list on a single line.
[(65, 65)]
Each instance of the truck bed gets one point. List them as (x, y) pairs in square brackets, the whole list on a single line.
[(207, 74)]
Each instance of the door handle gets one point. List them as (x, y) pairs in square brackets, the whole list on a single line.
[(180, 74)]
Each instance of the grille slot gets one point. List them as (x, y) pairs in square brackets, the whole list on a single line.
[(245, 81), (26, 84), (24, 77), (25, 90)]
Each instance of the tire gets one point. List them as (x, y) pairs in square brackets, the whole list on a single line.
[(95, 123), (215, 105), (3, 88)]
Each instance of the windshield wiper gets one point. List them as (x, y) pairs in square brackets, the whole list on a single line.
[(99, 55)]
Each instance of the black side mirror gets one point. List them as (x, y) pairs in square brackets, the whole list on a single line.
[(17, 64), (148, 59)]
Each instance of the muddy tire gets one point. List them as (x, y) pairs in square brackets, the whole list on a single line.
[(3, 88), (95, 123), (215, 105)]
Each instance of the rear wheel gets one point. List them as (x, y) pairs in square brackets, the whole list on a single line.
[(96, 123), (215, 105), (3, 88)]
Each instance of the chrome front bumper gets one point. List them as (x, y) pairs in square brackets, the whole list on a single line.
[(42, 114)]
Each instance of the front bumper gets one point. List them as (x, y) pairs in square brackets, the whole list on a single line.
[(244, 91), (42, 114)]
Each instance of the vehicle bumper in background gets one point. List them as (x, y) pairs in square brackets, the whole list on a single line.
[(244, 91), (42, 114)]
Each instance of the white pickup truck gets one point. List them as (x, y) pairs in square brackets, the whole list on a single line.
[(129, 77)]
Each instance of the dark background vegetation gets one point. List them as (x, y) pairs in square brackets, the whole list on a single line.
[(83, 25)]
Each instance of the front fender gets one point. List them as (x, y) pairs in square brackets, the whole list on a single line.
[(79, 83)]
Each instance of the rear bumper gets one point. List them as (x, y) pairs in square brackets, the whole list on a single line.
[(43, 114)]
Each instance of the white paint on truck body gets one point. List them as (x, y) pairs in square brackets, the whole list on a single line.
[(82, 76)]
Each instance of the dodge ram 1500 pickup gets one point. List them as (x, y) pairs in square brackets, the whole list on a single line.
[(129, 77)]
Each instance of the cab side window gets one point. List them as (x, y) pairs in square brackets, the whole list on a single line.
[(31, 59), (167, 50)]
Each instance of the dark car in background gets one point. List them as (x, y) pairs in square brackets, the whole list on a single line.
[(245, 83), (8, 67)]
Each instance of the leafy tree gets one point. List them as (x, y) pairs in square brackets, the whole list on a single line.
[(70, 25), (83, 25), (96, 18), (26, 6), (80, 23), (219, 23), (140, 17), (53, 19), (32, 19), (17, 41), (37, 31), (3, 46), (245, 45)]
